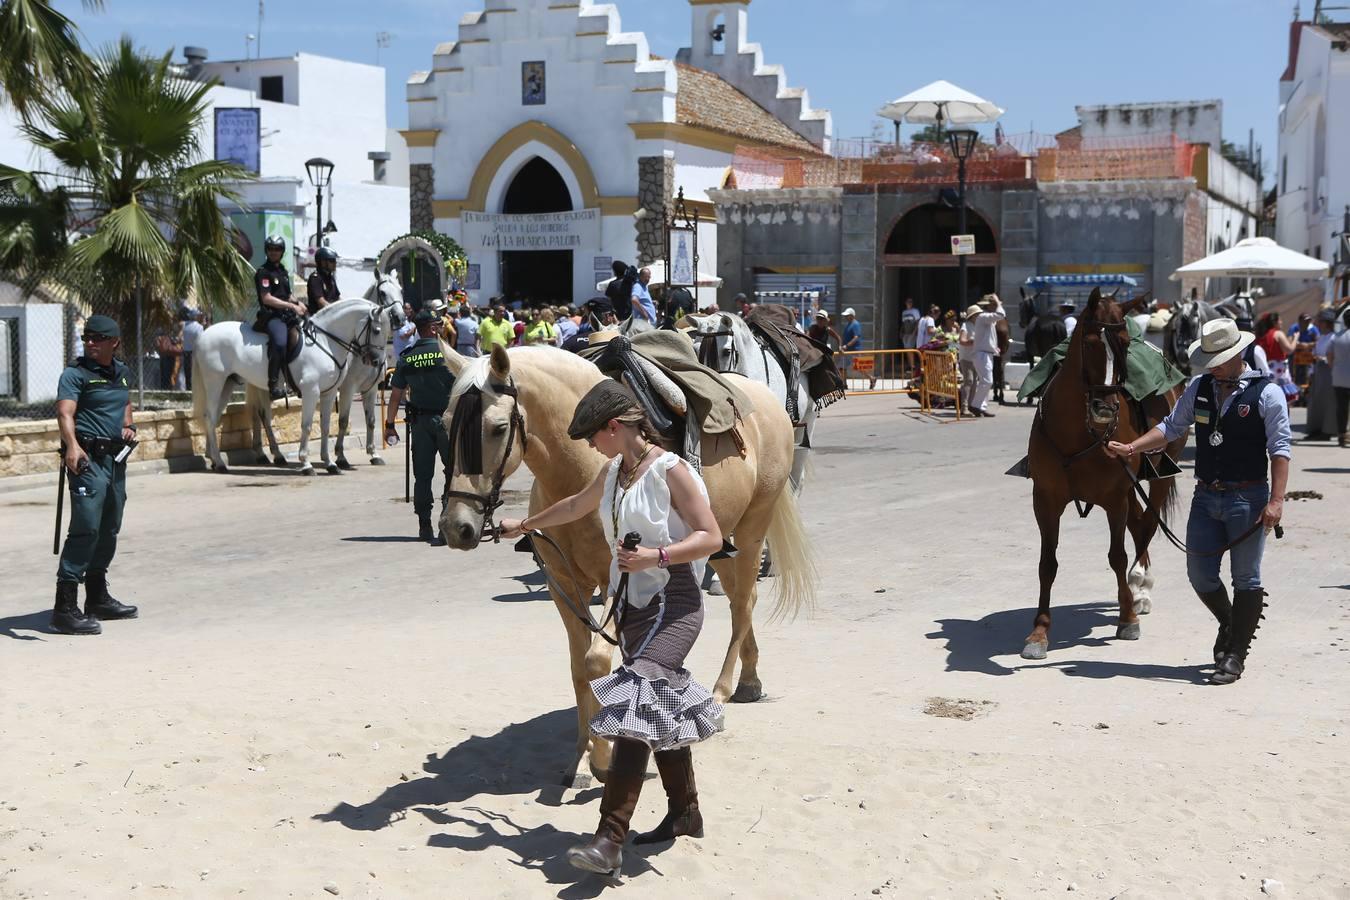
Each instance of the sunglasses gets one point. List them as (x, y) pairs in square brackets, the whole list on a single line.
[(95, 338)]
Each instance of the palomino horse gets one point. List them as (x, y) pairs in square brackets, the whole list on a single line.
[(726, 344), (530, 393), (1082, 408), (362, 376), (335, 336)]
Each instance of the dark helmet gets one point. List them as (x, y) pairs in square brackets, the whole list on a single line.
[(275, 242), (324, 254)]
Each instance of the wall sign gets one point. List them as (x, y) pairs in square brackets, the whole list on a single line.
[(532, 83), (575, 230), (239, 137)]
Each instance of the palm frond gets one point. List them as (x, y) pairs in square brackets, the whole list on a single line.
[(42, 53)]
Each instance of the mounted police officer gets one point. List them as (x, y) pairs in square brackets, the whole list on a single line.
[(321, 288), (277, 310), (1240, 419), (421, 371), (93, 412)]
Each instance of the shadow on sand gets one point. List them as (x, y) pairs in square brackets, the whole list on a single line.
[(972, 644), (522, 758), (40, 621)]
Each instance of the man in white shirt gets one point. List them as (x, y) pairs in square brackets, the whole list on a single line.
[(192, 330), (1067, 310), (927, 325), (406, 336), (986, 348), (965, 358)]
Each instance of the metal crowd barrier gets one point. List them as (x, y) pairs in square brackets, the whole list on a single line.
[(940, 379), (880, 371)]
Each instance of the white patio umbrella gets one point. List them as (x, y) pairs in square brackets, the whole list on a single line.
[(1257, 257), (941, 102), (659, 277)]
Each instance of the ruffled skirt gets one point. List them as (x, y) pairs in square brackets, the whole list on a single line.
[(652, 697)]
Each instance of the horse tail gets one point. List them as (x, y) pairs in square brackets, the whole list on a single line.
[(198, 388), (793, 560)]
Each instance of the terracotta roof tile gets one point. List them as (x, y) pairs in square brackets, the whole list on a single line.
[(708, 101)]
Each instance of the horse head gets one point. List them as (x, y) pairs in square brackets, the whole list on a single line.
[(486, 426), (719, 341), (1102, 341), (387, 293)]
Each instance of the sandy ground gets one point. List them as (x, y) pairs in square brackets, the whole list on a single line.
[(311, 700)]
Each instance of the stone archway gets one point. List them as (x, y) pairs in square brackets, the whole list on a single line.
[(920, 265), (536, 276)]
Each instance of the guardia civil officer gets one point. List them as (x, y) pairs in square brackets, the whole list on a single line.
[(276, 309), (93, 412), (321, 287), (1241, 420), (421, 372)]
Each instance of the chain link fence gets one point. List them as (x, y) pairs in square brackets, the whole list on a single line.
[(41, 324)]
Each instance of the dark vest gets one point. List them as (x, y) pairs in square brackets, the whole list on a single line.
[(1242, 455)]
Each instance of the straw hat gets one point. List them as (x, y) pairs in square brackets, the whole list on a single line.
[(973, 310), (1220, 341), (601, 337)]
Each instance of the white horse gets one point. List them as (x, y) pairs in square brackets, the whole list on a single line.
[(335, 338), (363, 374), (735, 349)]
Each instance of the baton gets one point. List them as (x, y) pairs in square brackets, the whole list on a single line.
[(407, 461), (60, 502)]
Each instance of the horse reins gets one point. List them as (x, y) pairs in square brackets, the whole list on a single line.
[(358, 346)]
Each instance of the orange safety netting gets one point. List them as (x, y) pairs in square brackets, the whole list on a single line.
[(1023, 157)]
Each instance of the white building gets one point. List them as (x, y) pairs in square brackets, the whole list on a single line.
[(549, 141), (1313, 174)]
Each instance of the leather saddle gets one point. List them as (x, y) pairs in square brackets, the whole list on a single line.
[(294, 344)]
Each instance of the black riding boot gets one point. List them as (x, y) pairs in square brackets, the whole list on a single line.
[(424, 532), (274, 385), (682, 815), (1217, 602), (66, 616), (99, 603), (1247, 606)]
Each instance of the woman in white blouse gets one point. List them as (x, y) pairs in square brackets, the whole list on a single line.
[(650, 704)]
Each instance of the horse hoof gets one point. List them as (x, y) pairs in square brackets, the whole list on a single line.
[(1142, 606), (376, 461), (1034, 650), (343, 464), (332, 469), (221, 468), (1128, 632), (279, 462), (747, 693), (261, 460), (307, 470)]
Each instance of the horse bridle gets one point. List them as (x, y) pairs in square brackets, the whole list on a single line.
[(1093, 392), (361, 345), (708, 357), (492, 500)]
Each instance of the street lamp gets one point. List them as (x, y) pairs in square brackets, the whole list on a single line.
[(320, 174), (962, 142)]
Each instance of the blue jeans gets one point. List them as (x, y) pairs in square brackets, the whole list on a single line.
[(1218, 517)]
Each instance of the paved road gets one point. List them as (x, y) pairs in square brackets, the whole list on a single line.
[(312, 697)]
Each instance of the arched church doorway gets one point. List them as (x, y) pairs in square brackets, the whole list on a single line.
[(920, 265), (537, 276)]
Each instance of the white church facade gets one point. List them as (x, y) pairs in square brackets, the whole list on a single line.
[(549, 142)]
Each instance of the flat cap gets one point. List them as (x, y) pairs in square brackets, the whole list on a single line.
[(607, 400)]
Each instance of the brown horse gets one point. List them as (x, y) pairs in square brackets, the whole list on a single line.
[(1083, 407)]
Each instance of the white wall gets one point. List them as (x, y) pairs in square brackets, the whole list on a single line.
[(41, 344), (1198, 122)]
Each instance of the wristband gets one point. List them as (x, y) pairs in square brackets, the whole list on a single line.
[(132, 426), (662, 558)]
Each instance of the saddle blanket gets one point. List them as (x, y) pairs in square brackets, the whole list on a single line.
[(1147, 371)]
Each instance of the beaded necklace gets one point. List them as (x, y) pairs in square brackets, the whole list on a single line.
[(627, 483)]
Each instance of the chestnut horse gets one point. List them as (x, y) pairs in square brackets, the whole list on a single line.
[(1084, 406)]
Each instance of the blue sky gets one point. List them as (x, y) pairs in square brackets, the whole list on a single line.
[(1035, 58)]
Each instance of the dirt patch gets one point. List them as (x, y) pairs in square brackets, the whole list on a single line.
[(1302, 495), (963, 709)]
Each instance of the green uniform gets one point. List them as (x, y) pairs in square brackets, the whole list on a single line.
[(98, 495), (421, 371)]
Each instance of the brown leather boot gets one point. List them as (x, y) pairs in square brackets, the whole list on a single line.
[(682, 815), (604, 852)]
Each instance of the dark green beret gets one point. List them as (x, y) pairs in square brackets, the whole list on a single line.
[(607, 400), (104, 325)]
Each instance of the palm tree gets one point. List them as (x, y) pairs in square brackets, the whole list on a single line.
[(132, 180), (42, 54)]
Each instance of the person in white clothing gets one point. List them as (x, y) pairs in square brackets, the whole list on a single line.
[(965, 357), (1066, 311), (927, 325), (651, 705), (986, 348)]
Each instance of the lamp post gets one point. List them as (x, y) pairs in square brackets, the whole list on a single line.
[(320, 174), (962, 142)]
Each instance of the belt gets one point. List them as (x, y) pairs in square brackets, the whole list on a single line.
[(100, 446), (418, 411), (1221, 486)]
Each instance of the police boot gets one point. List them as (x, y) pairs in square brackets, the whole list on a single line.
[(424, 532), (1247, 606), (99, 604), (604, 852), (274, 386), (66, 617), (682, 815), (1218, 604)]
